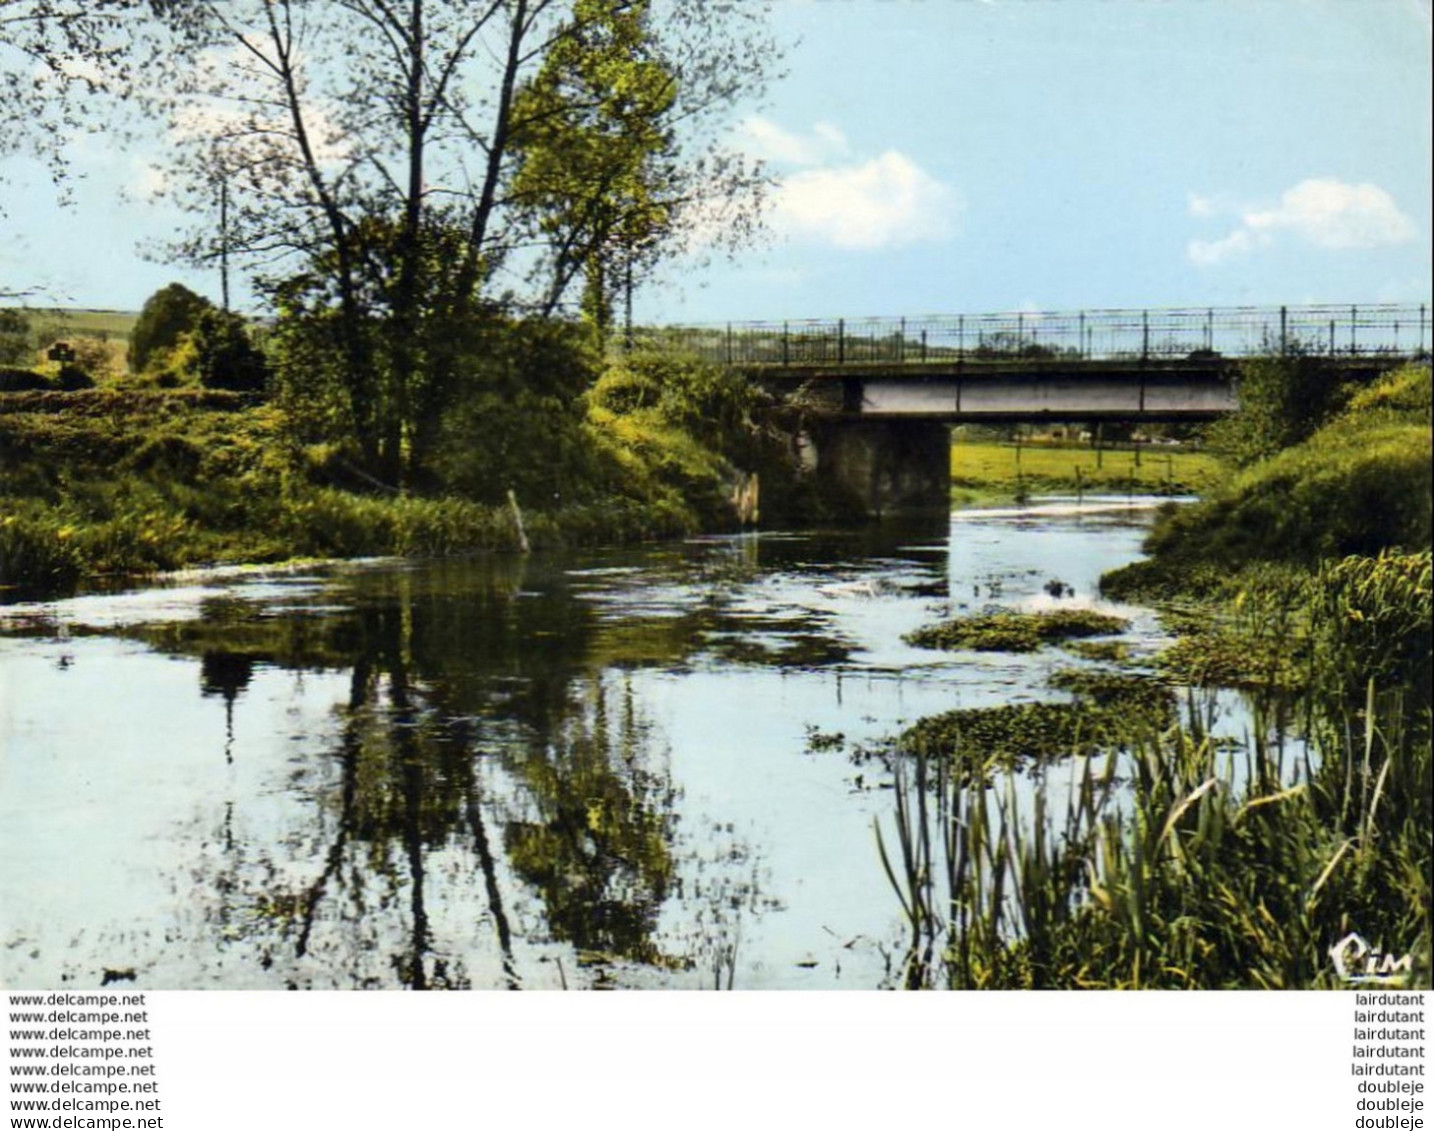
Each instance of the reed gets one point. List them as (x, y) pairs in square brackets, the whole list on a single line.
[(1169, 861)]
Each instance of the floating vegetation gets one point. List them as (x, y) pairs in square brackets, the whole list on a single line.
[(1110, 651), (1128, 692), (1015, 632), (1230, 659), (985, 739), (822, 742)]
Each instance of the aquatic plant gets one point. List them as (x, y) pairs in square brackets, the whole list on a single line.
[(1166, 861), (1015, 632)]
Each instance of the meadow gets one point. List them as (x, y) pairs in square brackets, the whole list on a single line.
[(985, 471)]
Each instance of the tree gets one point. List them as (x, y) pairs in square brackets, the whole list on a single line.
[(369, 147), (590, 164), (613, 168), (225, 355), (167, 315), (1285, 396)]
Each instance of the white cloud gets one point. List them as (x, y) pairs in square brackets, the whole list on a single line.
[(836, 198), (1201, 206), (886, 202), (1324, 212), (1206, 253), (1332, 214), (764, 139)]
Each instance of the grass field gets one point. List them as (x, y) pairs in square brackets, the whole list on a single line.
[(985, 471), (102, 324)]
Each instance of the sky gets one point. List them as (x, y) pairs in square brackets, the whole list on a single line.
[(960, 156)]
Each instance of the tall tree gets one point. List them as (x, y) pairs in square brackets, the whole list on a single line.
[(617, 163), (597, 153), (369, 149)]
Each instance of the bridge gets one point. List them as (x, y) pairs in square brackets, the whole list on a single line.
[(879, 393)]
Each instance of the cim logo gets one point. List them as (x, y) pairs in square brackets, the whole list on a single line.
[(1356, 961)]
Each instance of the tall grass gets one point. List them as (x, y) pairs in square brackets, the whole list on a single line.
[(1167, 862)]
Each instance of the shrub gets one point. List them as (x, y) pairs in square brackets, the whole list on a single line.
[(14, 338), (166, 316), (1284, 399), (225, 356)]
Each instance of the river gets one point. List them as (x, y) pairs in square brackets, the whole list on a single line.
[(625, 768)]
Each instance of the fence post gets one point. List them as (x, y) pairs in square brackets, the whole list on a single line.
[(960, 335), (841, 341), (786, 349), (923, 343), (1080, 338), (1210, 328), (729, 343), (1331, 337), (901, 342), (1284, 331), (1421, 327), (1145, 335), (1353, 317)]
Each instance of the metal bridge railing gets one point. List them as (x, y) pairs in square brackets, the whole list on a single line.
[(1088, 335)]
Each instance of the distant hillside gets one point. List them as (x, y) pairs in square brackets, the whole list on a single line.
[(47, 324)]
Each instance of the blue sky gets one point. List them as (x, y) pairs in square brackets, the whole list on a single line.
[(935, 156)]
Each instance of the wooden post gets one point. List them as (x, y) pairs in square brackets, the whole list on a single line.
[(518, 522)]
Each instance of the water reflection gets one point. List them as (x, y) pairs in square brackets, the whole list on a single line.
[(504, 772)]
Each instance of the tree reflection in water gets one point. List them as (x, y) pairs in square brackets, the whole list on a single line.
[(474, 724)]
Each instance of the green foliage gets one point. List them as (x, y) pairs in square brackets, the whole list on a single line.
[(1283, 401), (224, 354), (1015, 632), (516, 422), (675, 428), (167, 315), (131, 482), (980, 740), (14, 338), (596, 152), (374, 354), (1359, 485), (36, 554), (1168, 864), (1370, 621)]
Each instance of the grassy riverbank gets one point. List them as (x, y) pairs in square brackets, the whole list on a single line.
[(109, 483), (1359, 484)]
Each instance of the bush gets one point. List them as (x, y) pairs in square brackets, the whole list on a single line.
[(225, 357), (1284, 399), (167, 315), (37, 555), (14, 338), (515, 416), (676, 428)]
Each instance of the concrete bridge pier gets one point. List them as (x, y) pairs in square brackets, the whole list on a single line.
[(886, 467)]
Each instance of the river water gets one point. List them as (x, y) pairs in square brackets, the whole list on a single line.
[(599, 769)]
